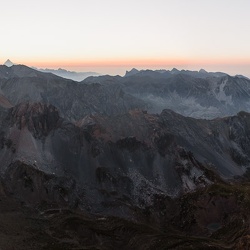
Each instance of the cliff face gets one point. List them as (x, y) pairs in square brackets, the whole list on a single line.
[(39, 119), (122, 160)]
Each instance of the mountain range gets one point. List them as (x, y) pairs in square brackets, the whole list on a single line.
[(197, 94), (151, 160), (72, 75), (76, 76)]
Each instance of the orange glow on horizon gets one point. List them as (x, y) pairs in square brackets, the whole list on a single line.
[(105, 63), (147, 62)]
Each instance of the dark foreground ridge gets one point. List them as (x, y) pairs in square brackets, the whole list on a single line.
[(212, 218)]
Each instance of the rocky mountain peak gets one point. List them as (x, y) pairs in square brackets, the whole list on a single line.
[(8, 63), (202, 71), (174, 70), (131, 72)]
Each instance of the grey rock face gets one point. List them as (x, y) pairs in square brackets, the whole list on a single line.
[(102, 161)]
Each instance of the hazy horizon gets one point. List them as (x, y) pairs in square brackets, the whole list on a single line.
[(121, 70), (110, 37)]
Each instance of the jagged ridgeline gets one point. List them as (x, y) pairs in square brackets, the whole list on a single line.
[(120, 164)]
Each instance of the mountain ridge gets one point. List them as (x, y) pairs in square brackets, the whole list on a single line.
[(151, 90), (72, 75)]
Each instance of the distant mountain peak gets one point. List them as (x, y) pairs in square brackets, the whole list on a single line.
[(202, 71), (8, 63), (174, 70), (132, 72)]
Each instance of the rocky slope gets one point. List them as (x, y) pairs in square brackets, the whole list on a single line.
[(126, 158), (213, 218)]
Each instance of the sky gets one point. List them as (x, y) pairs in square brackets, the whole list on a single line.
[(112, 36)]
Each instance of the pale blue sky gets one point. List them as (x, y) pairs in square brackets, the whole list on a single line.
[(113, 35)]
